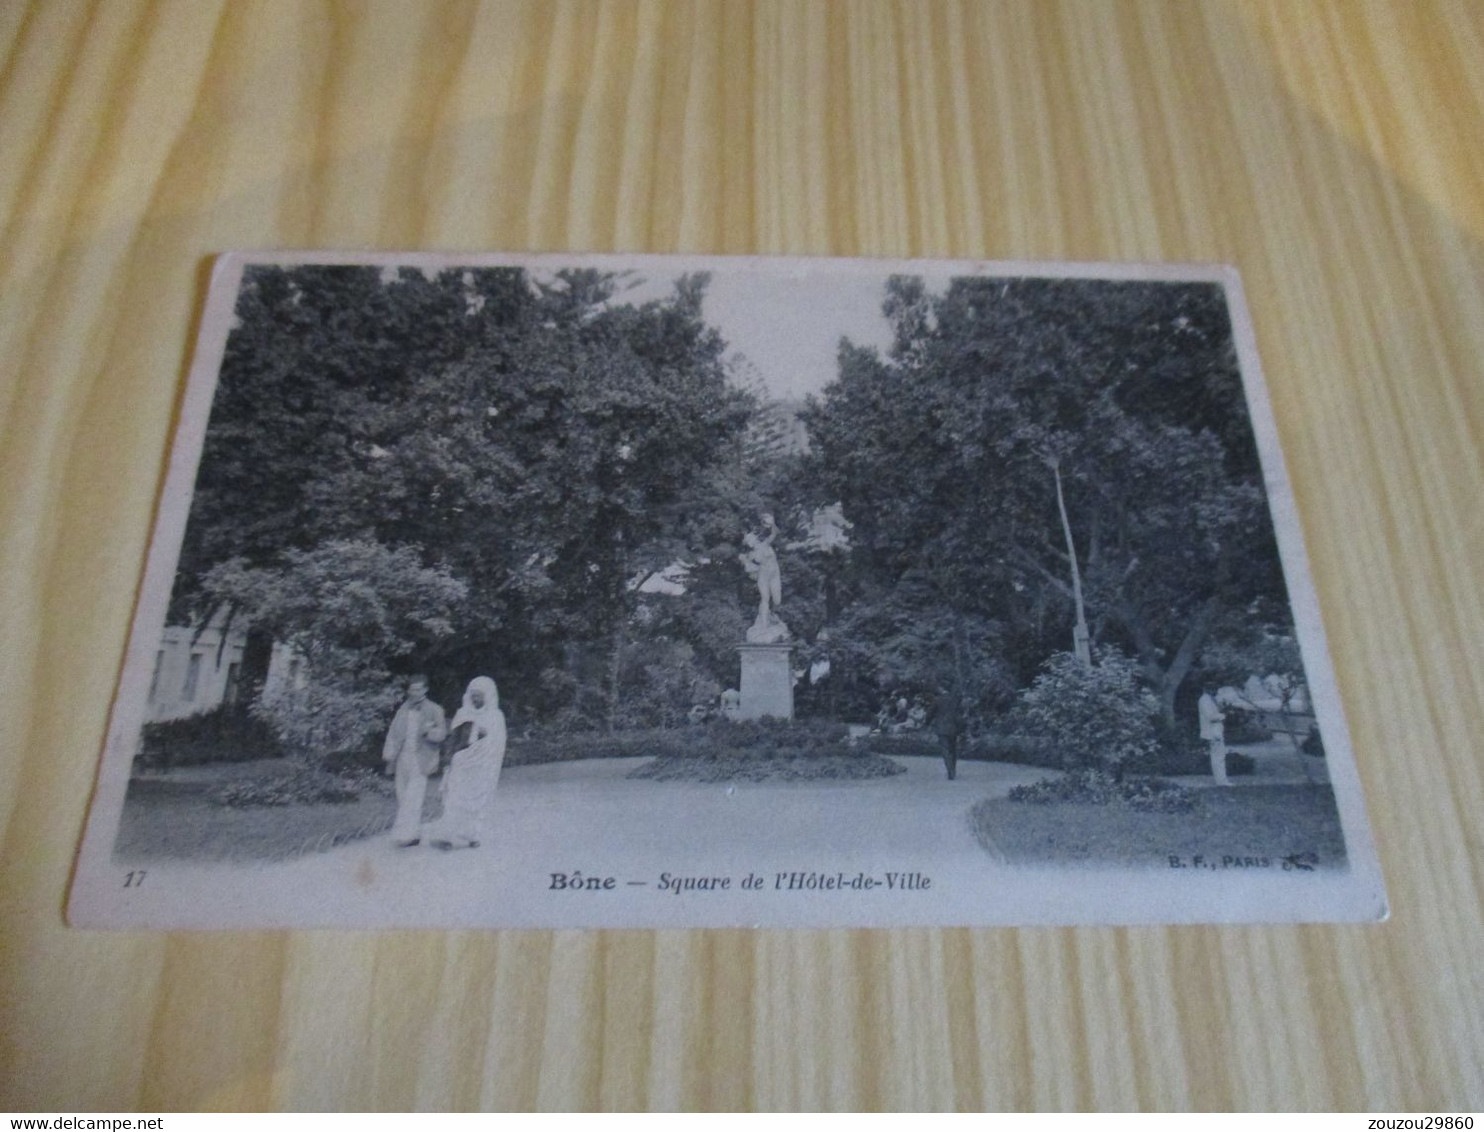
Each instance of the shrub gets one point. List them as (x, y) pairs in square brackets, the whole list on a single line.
[(1187, 757), (353, 609), (1238, 764), (327, 715), (794, 738), (1096, 715), (300, 786), (225, 735), (1244, 726), (1177, 754), (549, 747), (760, 738), (659, 682), (905, 743), (1093, 787), (1027, 750)]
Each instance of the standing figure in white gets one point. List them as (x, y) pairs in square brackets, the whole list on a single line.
[(411, 754), (478, 729), (1213, 731)]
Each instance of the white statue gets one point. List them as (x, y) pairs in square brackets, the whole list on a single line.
[(761, 562)]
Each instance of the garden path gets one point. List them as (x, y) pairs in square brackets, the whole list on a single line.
[(575, 815)]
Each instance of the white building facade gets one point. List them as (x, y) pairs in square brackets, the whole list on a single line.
[(198, 669)]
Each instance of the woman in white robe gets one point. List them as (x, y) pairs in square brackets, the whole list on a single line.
[(470, 781)]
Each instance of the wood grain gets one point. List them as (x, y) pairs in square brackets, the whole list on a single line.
[(1334, 152)]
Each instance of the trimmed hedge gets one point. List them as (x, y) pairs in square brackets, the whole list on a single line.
[(763, 738), (1174, 757), (1023, 749), (905, 743), (222, 735)]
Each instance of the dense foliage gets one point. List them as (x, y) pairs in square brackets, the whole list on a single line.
[(513, 455), (227, 733), (946, 454), (1095, 716), (352, 609), (525, 475)]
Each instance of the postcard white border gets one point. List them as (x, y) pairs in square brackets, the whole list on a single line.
[(250, 896)]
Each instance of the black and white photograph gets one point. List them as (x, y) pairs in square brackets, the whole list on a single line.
[(648, 591)]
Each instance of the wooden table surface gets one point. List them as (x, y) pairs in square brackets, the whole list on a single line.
[(1333, 152)]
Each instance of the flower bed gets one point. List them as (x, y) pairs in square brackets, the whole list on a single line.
[(1094, 788), (743, 766)]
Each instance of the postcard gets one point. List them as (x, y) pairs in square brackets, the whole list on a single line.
[(644, 591)]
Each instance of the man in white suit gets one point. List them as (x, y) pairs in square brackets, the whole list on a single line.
[(1213, 731), (411, 754)]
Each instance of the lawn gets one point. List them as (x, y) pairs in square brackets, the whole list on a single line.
[(174, 818), (1269, 822)]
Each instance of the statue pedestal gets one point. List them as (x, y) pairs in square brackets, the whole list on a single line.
[(767, 682)]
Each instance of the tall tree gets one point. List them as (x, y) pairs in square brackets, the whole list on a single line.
[(942, 453), (537, 439)]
